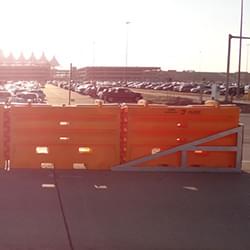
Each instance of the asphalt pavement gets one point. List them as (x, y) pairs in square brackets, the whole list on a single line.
[(107, 210), (59, 96)]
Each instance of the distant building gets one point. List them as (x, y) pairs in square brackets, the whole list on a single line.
[(26, 69), (42, 69), (149, 74), (116, 73)]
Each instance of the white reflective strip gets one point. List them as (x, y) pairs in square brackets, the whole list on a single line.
[(100, 186), (79, 166), (155, 150), (47, 165), (46, 185), (64, 123), (83, 150), (42, 150), (64, 138)]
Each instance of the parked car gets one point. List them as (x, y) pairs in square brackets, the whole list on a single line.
[(4, 96), (207, 91), (29, 97), (101, 90), (40, 93), (232, 91), (186, 87), (16, 100), (91, 91), (81, 89), (121, 95)]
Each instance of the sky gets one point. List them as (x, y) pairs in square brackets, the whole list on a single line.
[(171, 34)]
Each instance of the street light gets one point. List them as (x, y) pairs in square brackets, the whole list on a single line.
[(228, 61), (126, 52), (241, 22), (93, 53), (247, 57)]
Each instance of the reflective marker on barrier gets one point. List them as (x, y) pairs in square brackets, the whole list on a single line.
[(64, 123), (79, 166), (48, 185), (83, 150), (198, 152), (181, 140), (47, 165), (155, 150), (42, 150), (64, 138), (191, 188), (100, 186)]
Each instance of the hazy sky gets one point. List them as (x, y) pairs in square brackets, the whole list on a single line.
[(172, 34)]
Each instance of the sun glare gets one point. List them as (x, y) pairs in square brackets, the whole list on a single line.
[(184, 35)]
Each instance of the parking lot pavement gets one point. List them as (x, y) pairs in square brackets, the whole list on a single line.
[(30, 215), (59, 96), (111, 210), (156, 211)]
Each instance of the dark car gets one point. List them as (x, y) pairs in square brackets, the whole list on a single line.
[(232, 91), (101, 90), (91, 91), (29, 97), (186, 87), (121, 95), (40, 94)]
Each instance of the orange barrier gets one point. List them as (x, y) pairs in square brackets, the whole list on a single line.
[(148, 129), (80, 137), (3, 137)]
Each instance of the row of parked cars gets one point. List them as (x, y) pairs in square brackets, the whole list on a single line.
[(191, 87), (87, 88), (106, 91), (22, 92)]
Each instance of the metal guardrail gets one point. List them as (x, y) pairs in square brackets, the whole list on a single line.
[(133, 165)]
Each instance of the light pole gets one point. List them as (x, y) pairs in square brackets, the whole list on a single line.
[(230, 37), (241, 24), (126, 53), (70, 82), (93, 53), (247, 57)]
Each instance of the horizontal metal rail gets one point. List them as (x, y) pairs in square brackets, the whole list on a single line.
[(191, 146)]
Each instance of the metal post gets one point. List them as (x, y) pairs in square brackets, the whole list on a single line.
[(239, 73), (247, 57), (228, 66), (240, 134), (70, 79), (201, 92), (126, 52), (93, 55)]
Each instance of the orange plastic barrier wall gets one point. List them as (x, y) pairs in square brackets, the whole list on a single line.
[(3, 137), (80, 137), (147, 129)]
